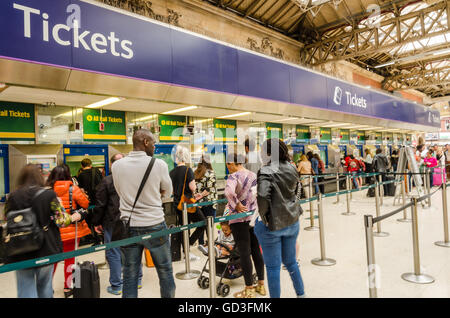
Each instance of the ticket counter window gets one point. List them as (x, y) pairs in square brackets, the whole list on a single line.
[(167, 158), (218, 164), (2, 178), (74, 163)]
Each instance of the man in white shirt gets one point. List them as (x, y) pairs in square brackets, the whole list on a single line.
[(148, 214)]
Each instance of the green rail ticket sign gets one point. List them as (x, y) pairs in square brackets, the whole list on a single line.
[(378, 138), (104, 125), (345, 136), (17, 121), (361, 137), (274, 130), (303, 133), (325, 135), (225, 131), (172, 128)]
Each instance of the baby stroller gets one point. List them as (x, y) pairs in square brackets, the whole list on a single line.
[(227, 267)]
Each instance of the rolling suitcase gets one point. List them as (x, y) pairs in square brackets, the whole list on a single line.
[(390, 187), (86, 281), (371, 191), (175, 246)]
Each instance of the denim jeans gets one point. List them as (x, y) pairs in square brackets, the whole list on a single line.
[(279, 246), (35, 282), (114, 259), (160, 252)]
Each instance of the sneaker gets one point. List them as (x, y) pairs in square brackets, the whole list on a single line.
[(260, 289), (193, 257), (203, 249), (114, 291), (302, 296), (246, 293)]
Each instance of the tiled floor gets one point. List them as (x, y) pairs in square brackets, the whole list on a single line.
[(345, 242)]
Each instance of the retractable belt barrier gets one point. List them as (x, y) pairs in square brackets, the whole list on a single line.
[(137, 239)]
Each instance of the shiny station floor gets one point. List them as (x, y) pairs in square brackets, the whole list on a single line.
[(345, 242)]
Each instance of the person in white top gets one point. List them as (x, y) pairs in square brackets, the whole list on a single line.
[(147, 216)]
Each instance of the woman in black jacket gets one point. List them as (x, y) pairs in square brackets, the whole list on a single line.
[(36, 282), (277, 226)]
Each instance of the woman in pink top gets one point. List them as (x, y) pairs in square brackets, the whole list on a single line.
[(238, 192), (430, 162)]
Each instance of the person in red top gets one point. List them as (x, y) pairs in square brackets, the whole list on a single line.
[(354, 167), (61, 182)]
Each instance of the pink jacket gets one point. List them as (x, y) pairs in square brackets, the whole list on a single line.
[(430, 162)]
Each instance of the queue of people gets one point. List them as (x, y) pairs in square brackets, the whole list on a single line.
[(264, 241)]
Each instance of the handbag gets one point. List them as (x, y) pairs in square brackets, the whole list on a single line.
[(121, 229), (185, 199), (23, 231)]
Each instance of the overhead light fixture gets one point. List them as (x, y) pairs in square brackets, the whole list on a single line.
[(385, 64), (105, 102), (144, 118), (287, 119), (179, 110), (236, 115)]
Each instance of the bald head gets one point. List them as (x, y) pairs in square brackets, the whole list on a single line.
[(143, 140)]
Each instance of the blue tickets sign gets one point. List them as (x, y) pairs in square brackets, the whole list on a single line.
[(84, 35)]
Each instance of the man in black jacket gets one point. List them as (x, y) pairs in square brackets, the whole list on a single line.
[(106, 215)]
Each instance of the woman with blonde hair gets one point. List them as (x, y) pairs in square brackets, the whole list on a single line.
[(305, 169)]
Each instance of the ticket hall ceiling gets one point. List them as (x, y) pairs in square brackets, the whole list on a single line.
[(405, 41)]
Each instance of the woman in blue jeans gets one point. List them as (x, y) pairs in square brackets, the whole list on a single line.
[(277, 225)]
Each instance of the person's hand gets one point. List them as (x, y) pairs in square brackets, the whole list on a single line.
[(75, 217), (225, 252), (240, 208), (198, 196), (205, 193), (98, 229)]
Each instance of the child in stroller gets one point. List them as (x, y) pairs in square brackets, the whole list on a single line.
[(227, 261)]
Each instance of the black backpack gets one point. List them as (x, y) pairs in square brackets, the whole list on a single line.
[(23, 233)]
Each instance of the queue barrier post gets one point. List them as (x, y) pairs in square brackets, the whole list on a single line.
[(405, 213), (378, 233), (312, 227), (211, 255), (446, 242), (188, 273), (370, 248), (337, 188), (428, 175), (347, 196), (381, 190), (323, 260), (417, 277)]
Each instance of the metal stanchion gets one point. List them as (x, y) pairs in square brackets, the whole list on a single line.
[(212, 258), (312, 227), (347, 196), (322, 261), (188, 273), (337, 188), (381, 193), (350, 186), (378, 233), (371, 266), (416, 277), (446, 242), (428, 187), (408, 190), (405, 213)]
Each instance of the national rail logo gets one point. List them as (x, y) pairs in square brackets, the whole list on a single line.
[(351, 99), (61, 34)]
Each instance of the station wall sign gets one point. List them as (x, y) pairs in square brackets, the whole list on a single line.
[(325, 135), (225, 131), (378, 138), (274, 130), (303, 134), (172, 128), (345, 136), (17, 121), (112, 121), (83, 35)]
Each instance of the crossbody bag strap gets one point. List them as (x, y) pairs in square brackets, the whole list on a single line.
[(184, 183), (70, 198), (141, 187)]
